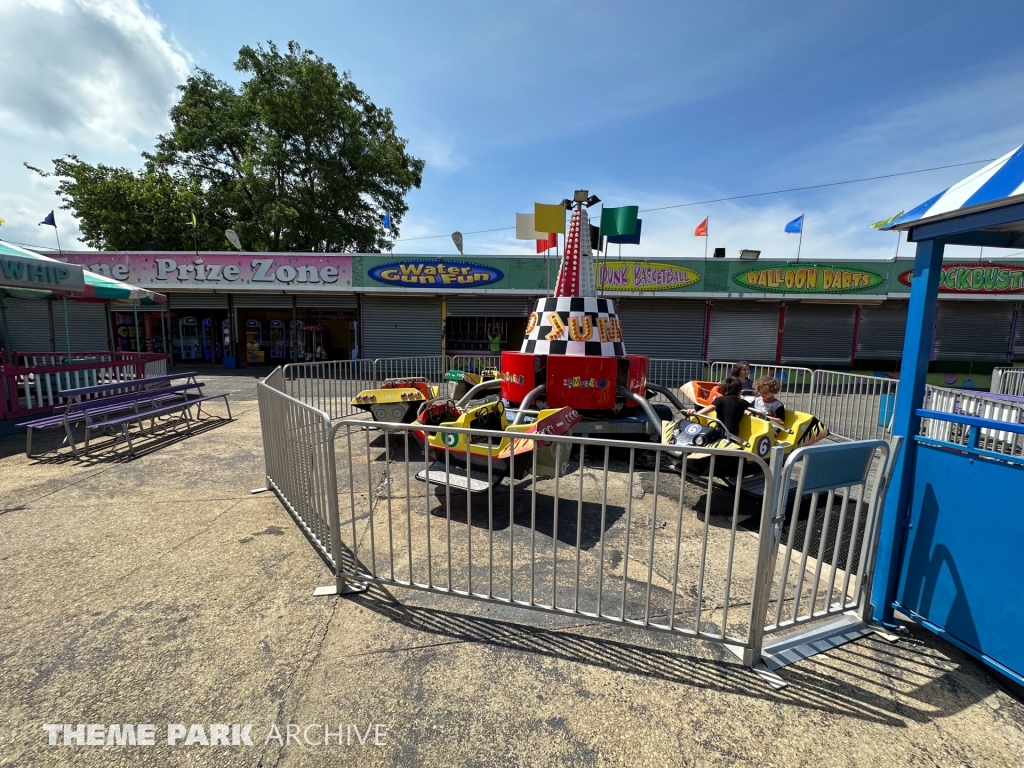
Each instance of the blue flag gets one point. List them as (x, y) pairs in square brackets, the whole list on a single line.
[(796, 226), (387, 221), (48, 221)]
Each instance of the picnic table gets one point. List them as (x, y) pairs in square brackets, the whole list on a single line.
[(120, 404)]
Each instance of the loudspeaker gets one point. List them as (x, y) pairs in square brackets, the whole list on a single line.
[(719, 253)]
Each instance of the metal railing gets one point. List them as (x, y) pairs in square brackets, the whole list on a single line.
[(630, 533), (561, 540), (431, 368), (299, 460), (474, 363), (795, 381), (982, 405), (331, 385), (828, 540), (853, 406), (1008, 381), (672, 374)]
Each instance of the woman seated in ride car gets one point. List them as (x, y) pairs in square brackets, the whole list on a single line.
[(729, 408)]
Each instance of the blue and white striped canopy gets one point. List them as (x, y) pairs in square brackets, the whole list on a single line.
[(987, 188)]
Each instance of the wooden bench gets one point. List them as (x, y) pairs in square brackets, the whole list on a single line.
[(147, 398)]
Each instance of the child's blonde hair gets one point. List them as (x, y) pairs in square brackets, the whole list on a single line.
[(768, 382)]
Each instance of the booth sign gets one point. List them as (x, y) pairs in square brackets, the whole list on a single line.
[(237, 271), (643, 276), (435, 273), (26, 272), (812, 278), (976, 278)]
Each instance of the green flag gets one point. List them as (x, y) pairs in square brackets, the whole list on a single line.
[(884, 222), (194, 225), (619, 221)]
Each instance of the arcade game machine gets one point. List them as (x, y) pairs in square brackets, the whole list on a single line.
[(188, 329), (253, 350), (211, 347), (278, 342)]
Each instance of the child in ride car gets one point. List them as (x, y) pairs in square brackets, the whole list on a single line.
[(767, 388), (729, 408)]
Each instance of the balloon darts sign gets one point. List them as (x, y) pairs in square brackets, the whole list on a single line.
[(809, 278)]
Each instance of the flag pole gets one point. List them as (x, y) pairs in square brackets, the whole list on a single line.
[(604, 254), (707, 235), (57, 234), (800, 242)]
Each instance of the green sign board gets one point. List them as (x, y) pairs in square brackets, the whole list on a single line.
[(809, 278)]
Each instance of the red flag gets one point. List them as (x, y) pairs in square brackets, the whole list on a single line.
[(551, 242), (702, 229)]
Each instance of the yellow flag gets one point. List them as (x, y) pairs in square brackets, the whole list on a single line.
[(549, 218)]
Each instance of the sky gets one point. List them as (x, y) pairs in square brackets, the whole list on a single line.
[(643, 103)]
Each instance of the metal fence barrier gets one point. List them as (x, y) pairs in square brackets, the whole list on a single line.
[(613, 531), (853, 406), (331, 385), (672, 374), (668, 558), (299, 460), (1005, 408), (826, 543), (795, 381), (1008, 381), (474, 363), (431, 368)]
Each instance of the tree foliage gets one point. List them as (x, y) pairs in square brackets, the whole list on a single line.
[(119, 209), (297, 158)]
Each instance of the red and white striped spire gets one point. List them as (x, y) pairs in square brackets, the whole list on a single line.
[(576, 274)]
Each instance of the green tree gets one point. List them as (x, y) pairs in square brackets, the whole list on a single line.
[(119, 209), (297, 158)]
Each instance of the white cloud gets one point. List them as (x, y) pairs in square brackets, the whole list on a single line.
[(95, 72), (89, 77)]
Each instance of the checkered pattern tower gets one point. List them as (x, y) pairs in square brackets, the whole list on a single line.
[(574, 342)]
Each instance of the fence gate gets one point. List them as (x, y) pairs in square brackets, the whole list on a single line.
[(820, 549), (633, 533)]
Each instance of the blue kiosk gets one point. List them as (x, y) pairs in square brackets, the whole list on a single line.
[(951, 545)]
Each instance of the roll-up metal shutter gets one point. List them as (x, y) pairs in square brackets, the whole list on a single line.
[(263, 300), (326, 300), (743, 330), (663, 328), (28, 321), (880, 335), (400, 325), (1018, 342), (973, 331), (197, 300), (489, 306), (818, 333), (87, 323)]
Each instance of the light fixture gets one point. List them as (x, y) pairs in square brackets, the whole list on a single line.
[(748, 255), (592, 200), (566, 203), (457, 239), (719, 253), (232, 237), (580, 196)]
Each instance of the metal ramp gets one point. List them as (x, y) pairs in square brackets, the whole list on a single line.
[(455, 477)]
